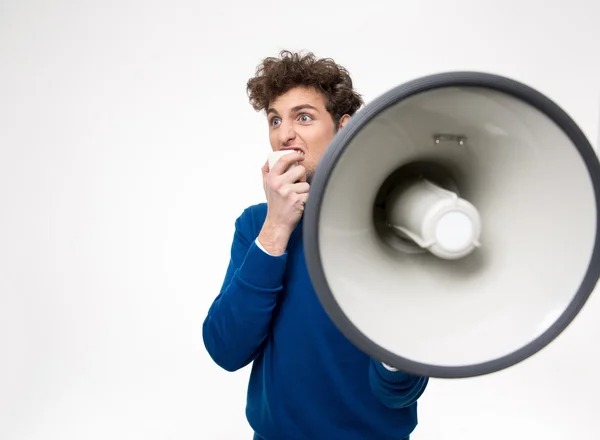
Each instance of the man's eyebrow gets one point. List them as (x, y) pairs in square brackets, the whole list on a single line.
[(294, 109), (302, 107)]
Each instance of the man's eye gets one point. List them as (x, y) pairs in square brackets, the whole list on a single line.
[(305, 118), (274, 121)]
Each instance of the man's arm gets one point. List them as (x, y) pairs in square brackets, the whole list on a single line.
[(238, 321), (395, 389)]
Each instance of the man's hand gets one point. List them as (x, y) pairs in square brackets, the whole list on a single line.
[(287, 192)]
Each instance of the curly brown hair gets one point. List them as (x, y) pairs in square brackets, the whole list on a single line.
[(275, 76)]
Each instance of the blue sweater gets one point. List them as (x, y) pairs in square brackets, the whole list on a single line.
[(307, 380)]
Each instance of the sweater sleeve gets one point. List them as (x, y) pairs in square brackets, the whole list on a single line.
[(395, 389), (238, 321)]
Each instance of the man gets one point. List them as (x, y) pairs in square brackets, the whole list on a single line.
[(308, 382)]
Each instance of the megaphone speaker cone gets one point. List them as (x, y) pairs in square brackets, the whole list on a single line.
[(452, 225)]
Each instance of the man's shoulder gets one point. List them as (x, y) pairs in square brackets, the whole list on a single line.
[(258, 211), (252, 218)]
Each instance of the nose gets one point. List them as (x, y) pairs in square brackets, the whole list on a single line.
[(286, 133)]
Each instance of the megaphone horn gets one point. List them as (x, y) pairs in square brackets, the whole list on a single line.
[(452, 225)]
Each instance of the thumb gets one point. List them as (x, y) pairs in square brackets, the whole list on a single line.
[(265, 172), (265, 168)]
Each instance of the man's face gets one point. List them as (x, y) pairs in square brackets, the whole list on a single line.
[(299, 120)]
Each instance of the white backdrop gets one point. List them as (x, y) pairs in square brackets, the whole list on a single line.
[(127, 150)]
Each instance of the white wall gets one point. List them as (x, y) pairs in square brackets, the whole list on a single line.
[(127, 149)]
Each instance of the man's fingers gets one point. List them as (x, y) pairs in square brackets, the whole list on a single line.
[(294, 189), (284, 162), (300, 187), (303, 198), (294, 174)]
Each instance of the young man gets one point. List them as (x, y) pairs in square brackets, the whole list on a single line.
[(308, 382)]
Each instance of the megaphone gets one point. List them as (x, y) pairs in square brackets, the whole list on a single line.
[(452, 225)]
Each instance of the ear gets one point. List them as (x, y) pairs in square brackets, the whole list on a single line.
[(344, 120)]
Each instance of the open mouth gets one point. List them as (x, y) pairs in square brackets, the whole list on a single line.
[(297, 150)]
